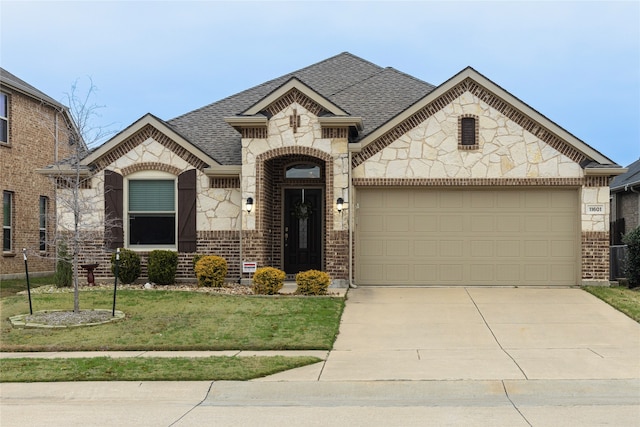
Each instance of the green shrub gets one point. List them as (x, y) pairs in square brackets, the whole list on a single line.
[(129, 267), (162, 267), (312, 282), (211, 271), (632, 240), (267, 281), (63, 276)]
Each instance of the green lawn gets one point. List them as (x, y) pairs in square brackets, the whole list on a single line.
[(10, 287), (147, 369), (176, 320), (623, 299)]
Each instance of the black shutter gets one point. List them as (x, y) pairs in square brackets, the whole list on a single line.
[(468, 131), (113, 232), (187, 211)]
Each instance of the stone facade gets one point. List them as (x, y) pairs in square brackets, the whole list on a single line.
[(422, 149), (38, 136)]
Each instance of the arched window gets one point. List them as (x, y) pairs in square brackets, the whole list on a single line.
[(303, 171)]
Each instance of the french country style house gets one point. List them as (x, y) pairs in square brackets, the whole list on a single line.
[(35, 131), (365, 172)]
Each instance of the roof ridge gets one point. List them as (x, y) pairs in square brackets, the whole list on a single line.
[(284, 77)]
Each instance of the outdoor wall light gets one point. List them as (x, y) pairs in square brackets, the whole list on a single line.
[(249, 204), (339, 204)]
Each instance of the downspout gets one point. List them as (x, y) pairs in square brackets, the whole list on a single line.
[(350, 219), (241, 220)]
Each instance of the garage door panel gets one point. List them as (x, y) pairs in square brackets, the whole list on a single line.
[(478, 236)]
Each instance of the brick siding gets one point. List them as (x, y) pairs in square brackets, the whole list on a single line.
[(595, 255)]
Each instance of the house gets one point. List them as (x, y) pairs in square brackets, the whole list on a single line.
[(34, 132), (625, 202), (367, 173)]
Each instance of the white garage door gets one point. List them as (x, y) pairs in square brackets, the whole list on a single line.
[(409, 236)]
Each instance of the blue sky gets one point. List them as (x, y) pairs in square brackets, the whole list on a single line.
[(577, 63)]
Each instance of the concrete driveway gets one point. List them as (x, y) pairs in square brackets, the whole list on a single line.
[(478, 334)]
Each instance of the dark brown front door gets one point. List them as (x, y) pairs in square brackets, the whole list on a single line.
[(302, 230)]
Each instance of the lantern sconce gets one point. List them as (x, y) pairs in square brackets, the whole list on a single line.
[(249, 204), (340, 204)]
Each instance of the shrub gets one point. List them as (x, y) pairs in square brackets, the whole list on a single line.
[(196, 258), (129, 268), (267, 281), (312, 282), (632, 240), (211, 271), (64, 270), (162, 267)]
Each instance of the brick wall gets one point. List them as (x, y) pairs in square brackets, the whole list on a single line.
[(595, 256), (32, 145), (629, 207)]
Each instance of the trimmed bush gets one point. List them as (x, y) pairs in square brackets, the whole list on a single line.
[(196, 258), (211, 271), (632, 240), (267, 281), (64, 270), (162, 267), (312, 282), (129, 268)]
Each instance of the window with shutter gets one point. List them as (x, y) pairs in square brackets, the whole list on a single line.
[(151, 212)]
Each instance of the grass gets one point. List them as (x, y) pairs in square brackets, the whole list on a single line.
[(175, 320), (623, 299), (147, 369), (10, 287)]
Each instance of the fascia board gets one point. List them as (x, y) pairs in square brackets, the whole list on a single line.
[(147, 119), (223, 171), (472, 74), (605, 171), (247, 121), (342, 121), (306, 90)]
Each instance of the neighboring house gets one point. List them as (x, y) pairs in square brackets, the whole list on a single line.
[(625, 202), (364, 172), (34, 132)]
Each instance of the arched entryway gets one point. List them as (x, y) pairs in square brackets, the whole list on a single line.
[(296, 194)]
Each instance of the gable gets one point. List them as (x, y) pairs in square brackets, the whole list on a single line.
[(469, 81), (506, 149), (148, 131)]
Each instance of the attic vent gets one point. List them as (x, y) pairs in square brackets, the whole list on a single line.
[(468, 132)]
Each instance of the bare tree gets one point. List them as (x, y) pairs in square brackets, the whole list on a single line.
[(79, 225)]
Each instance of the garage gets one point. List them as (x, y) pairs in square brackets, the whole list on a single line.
[(470, 236)]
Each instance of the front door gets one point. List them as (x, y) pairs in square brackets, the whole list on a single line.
[(302, 230)]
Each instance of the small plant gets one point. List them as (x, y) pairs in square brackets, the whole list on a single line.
[(162, 267), (129, 267), (211, 271), (312, 282), (632, 240), (267, 281), (196, 258), (64, 271)]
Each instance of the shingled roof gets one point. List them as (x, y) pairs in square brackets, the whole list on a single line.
[(14, 82), (629, 179), (361, 88)]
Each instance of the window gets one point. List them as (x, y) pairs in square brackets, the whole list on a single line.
[(44, 202), (303, 171), (7, 223), (468, 132), (4, 118), (151, 212)]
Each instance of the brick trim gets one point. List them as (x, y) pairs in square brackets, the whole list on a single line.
[(224, 182), (335, 133), (467, 182), (294, 95), (138, 138), (150, 166), (484, 95), (254, 133), (595, 255), (596, 181)]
